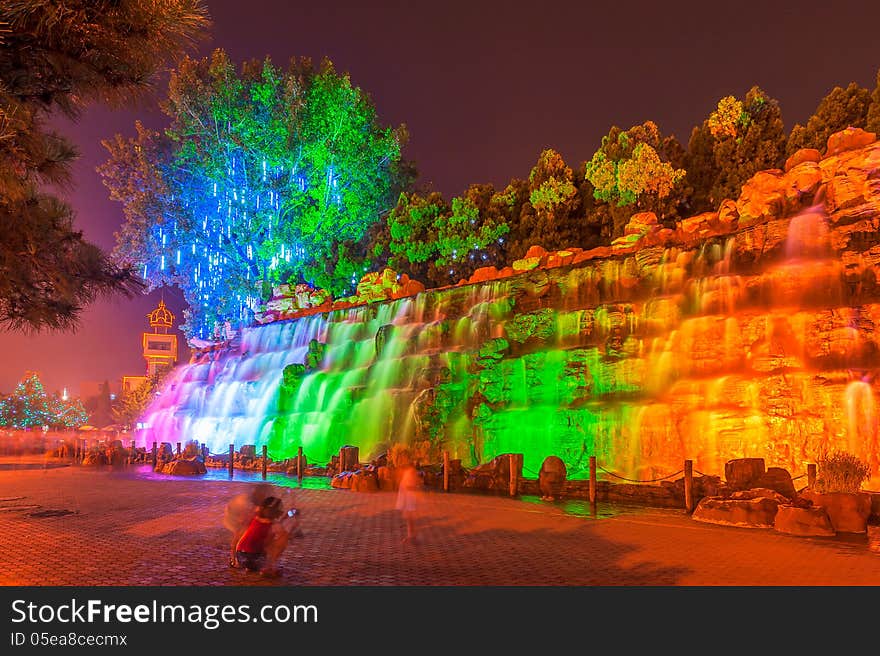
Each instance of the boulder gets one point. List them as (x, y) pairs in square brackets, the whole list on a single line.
[(728, 216), (778, 479), (848, 511), (364, 480), (165, 452), (185, 467), (698, 226), (849, 139), (248, 451), (593, 253), (385, 479), (846, 190), (801, 156), (742, 472), (641, 223), (758, 493), (763, 197), (551, 478), (536, 251), (803, 180), (757, 512), (526, 264), (625, 243), (484, 274), (810, 521), (493, 475)]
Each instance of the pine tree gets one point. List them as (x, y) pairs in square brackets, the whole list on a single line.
[(840, 109), (58, 56), (872, 120), (28, 405)]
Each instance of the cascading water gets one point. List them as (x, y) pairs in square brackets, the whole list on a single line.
[(741, 346)]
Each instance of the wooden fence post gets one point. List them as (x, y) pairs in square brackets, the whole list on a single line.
[(133, 453), (265, 460), (178, 449), (515, 465), (155, 454), (299, 464), (446, 471), (811, 475), (593, 481), (689, 485), (231, 459)]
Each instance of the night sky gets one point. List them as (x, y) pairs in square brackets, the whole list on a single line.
[(483, 87)]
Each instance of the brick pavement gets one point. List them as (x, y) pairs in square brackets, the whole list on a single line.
[(126, 528)]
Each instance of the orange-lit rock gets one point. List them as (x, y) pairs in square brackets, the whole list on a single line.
[(803, 179), (849, 139), (801, 156), (641, 223), (527, 263), (848, 511), (756, 512), (593, 253), (414, 287), (763, 197), (506, 272), (728, 215), (626, 243), (695, 227), (535, 251), (806, 521)]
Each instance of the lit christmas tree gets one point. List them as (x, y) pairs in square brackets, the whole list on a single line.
[(263, 177), (27, 406), (66, 413)]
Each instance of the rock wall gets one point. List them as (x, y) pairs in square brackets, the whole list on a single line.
[(747, 332)]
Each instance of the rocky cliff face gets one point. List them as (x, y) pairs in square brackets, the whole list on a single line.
[(747, 332)]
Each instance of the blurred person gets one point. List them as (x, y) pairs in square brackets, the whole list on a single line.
[(239, 512), (265, 538), (407, 492)]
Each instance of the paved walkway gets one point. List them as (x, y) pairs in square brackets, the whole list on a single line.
[(73, 525)]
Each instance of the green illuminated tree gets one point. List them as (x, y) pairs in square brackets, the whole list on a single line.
[(637, 170), (841, 108), (68, 413), (441, 242), (58, 56), (263, 176), (28, 405)]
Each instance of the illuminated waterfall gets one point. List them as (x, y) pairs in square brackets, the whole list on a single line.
[(710, 352)]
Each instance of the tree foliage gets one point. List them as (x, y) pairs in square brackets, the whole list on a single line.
[(59, 56), (738, 139), (444, 242), (841, 108), (872, 120), (130, 406), (263, 176), (637, 169), (30, 407)]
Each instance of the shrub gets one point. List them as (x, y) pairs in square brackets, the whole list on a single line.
[(841, 472)]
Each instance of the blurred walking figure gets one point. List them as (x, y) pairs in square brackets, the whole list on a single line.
[(239, 512), (407, 491), (264, 539)]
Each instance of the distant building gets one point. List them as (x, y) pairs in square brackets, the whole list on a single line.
[(159, 347)]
